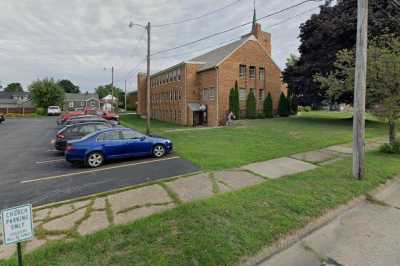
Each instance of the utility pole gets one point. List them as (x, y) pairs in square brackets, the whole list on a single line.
[(125, 97), (360, 90), (148, 27), (148, 109), (112, 89)]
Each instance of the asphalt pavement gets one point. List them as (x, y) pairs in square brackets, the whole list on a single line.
[(31, 171)]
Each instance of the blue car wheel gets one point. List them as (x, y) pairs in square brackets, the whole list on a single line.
[(158, 151), (95, 159)]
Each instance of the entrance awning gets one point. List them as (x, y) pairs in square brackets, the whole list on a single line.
[(196, 107)]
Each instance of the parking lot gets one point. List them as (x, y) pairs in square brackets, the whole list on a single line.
[(31, 171)]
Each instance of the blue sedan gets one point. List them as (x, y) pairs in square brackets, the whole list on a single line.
[(115, 143)]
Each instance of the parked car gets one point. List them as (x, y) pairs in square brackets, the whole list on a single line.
[(68, 115), (86, 120), (77, 131), (54, 110), (109, 115), (2, 118), (116, 143)]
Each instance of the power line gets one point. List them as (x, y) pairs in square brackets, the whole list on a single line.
[(293, 17), (234, 28), (198, 17)]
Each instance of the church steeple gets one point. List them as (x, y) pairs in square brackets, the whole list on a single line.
[(253, 29)]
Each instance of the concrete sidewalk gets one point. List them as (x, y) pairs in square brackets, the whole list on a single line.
[(367, 234), (68, 220)]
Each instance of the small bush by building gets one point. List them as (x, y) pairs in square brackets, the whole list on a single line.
[(268, 106), (283, 108), (251, 106)]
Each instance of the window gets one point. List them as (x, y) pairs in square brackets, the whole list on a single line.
[(71, 104), (87, 129), (101, 127), (82, 103), (242, 71), (261, 94), (109, 136), (130, 134), (253, 91), (174, 75), (179, 73), (242, 94), (252, 72), (204, 96), (211, 94), (261, 75)]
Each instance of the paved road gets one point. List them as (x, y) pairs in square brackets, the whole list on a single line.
[(31, 171)]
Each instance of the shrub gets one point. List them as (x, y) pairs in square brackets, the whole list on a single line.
[(236, 101), (283, 108), (41, 111), (268, 106), (294, 109), (393, 149), (251, 108), (260, 116)]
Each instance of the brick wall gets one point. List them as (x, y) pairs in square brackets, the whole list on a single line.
[(250, 54)]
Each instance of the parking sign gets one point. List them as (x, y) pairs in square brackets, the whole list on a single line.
[(17, 224)]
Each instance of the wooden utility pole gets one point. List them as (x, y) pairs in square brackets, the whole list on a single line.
[(148, 81), (125, 97), (112, 89), (360, 90)]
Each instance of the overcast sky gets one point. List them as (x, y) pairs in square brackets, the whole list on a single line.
[(77, 39)]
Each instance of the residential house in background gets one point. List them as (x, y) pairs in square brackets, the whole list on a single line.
[(196, 92), (107, 102), (16, 102), (78, 101)]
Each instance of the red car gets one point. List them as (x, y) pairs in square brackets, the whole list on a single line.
[(64, 117), (109, 115)]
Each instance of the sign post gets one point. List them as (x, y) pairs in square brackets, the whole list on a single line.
[(17, 226)]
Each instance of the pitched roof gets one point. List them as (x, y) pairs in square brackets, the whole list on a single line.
[(76, 97), (214, 57)]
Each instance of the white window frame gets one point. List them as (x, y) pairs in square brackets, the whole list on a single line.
[(242, 75), (242, 94), (252, 74)]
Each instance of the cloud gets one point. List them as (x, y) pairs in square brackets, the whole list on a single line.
[(77, 39)]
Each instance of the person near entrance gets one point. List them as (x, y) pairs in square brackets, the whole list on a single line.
[(230, 118)]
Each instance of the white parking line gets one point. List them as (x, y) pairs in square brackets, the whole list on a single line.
[(50, 161), (96, 170)]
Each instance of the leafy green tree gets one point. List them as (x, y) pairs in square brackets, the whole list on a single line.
[(251, 106), (46, 92), (268, 106), (283, 108), (236, 101), (14, 87), (383, 79), (292, 104), (68, 86), (231, 100), (327, 33)]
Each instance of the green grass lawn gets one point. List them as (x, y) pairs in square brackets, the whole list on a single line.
[(223, 229), (257, 140)]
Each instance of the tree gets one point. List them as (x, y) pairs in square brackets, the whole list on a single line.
[(268, 106), (251, 106), (327, 33), (383, 79), (283, 108), (292, 104), (236, 101), (103, 91), (46, 92), (231, 101), (14, 87), (68, 86)]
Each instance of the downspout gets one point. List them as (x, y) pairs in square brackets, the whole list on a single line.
[(185, 102), (217, 94)]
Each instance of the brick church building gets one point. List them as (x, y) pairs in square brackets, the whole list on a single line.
[(196, 92)]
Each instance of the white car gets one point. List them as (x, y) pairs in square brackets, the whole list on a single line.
[(53, 110)]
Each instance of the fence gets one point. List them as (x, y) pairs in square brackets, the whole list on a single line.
[(17, 110)]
